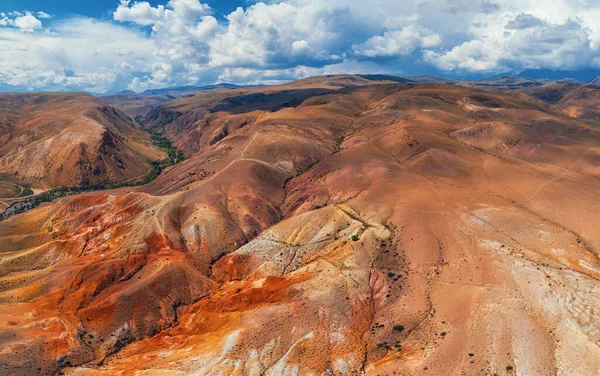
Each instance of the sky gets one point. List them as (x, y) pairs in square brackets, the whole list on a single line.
[(111, 45)]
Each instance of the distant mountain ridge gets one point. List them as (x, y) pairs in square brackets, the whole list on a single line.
[(190, 89), (501, 81), (138, 104), (134, 104), (507, 80), (177, 90)]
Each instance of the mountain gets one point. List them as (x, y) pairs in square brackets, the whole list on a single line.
[(595, 81), (505, 82), (189, 89), (511, 81), (576, 100), (134, 104), (333, 225), (125, 92), (50, 140)]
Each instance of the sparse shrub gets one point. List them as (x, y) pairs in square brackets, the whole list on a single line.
[(25, 192)]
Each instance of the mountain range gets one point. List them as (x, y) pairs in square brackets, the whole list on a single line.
[(335, 225)]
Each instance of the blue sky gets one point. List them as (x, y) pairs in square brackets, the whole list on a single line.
[(101, 9), (111, 45)]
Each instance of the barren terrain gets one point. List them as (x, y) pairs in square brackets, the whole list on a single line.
[(51, 140), (335, 226)]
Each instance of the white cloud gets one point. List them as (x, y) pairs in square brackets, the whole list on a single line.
[(139, 13), (287, 34), (183, 42), (43, 15), (511, 41), (78, 54), (23, 21), (279, 37), (123, 51), (28, 23), (176, 18), (398, 42), (524, 21), (459, 6), (180, 34)]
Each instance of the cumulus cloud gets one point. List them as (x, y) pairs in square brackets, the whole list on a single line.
[(288, 34), (186, 42), (524, 21), (43, 15), (24, 21), (459, 6), (398, 42), (514, 42), (67, 59), (181, 30), (28, 22), (174, 15)]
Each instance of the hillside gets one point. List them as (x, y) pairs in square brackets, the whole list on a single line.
[(579, 101), (137, 104), (335, 225), (50, 140)]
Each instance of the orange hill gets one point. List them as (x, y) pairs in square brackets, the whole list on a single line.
[(375, 229), (50, 140)]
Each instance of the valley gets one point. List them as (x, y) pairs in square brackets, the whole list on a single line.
[(337, 225)]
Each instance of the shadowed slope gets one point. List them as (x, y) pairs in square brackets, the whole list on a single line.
[(578, 101), (49, 140)]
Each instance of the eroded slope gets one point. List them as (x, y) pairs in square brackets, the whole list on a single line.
[(50, 140), (392, 228)]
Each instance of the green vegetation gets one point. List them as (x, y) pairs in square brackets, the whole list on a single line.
[(161, 142), (175, 155), (25, 192)]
